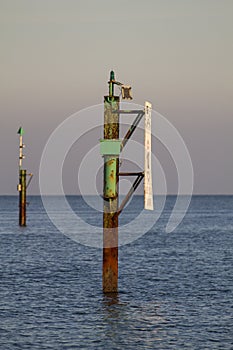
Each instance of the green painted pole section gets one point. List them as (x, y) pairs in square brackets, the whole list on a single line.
[(22, 197), (110, 173), (110, 194)]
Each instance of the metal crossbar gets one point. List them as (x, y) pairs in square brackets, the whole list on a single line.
[(132, 129), (132, 189)]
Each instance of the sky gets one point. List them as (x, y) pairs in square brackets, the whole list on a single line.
[(56, 56)]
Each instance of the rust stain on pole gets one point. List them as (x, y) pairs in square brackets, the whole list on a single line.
[(111, 176)]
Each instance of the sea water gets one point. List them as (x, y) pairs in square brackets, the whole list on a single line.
[(175, 289)]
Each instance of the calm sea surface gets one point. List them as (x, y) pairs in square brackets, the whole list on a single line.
[(175, 290)]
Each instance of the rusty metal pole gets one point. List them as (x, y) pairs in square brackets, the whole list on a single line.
[(22, 198), (22, 187), (110, 193)]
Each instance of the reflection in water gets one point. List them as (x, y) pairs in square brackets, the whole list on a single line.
[(132, 323), (110, 299)]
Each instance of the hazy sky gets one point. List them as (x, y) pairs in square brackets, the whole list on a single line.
[(55, 60)]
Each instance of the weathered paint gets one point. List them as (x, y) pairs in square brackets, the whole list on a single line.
[(148, 191), (22, 197), (110, 182), (110, 194), (110, 147)]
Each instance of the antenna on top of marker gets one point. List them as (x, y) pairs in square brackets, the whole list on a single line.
[(125, 89)]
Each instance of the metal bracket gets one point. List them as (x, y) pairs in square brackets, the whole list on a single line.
[(30, 179), (140, 176), (132, 111), (140, 114)]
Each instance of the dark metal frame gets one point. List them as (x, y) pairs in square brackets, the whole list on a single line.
[(140, 176)]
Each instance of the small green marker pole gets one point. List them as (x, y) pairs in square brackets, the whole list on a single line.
[(22, 187), (110, 194)]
